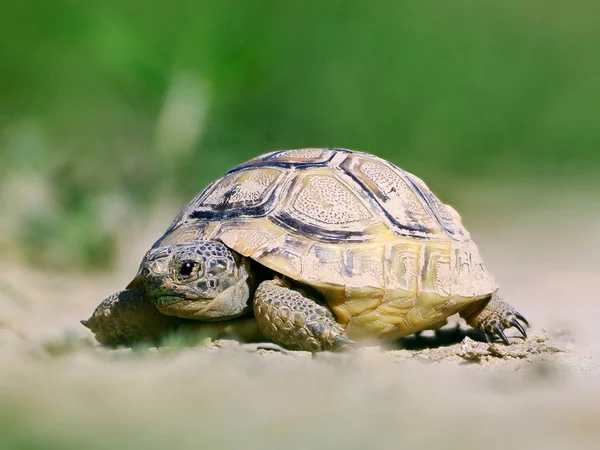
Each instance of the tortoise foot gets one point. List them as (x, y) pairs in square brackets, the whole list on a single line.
[(127, 318), (493, 317)]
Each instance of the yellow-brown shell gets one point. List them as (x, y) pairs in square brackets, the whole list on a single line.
[(387, 254)]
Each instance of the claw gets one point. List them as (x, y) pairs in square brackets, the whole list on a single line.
[(340, 342), (500, 333), (487, 337), (521, 318), (515, 323)]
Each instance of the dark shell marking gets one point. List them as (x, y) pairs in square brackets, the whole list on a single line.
[(357, 191)]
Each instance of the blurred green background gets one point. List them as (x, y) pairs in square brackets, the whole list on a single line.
[(107, 107)]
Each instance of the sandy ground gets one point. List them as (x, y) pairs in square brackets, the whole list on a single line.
[(59, 389)]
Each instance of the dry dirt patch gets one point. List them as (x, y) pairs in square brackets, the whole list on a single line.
[(58, 389)]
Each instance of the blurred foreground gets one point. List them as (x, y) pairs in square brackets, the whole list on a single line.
[(60, 390)]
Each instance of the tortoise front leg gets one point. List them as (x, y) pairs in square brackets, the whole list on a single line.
[(290, 319), (128, 318)]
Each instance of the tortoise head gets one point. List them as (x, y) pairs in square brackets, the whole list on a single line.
[(197, 280)]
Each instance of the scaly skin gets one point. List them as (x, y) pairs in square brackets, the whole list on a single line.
[(128, 318), (290, 319), (493, 316)]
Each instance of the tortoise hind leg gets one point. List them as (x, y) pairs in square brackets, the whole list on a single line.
[(493, 316), (290, 319)]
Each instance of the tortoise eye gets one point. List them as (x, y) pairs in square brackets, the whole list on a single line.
[(187, 268)]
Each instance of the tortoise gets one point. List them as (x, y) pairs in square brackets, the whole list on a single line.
[(326, 246)]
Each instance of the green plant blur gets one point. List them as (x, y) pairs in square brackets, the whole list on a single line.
[(107, 106)]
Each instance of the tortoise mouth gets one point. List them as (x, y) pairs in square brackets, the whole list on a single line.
[(181, 307), (231, 302)]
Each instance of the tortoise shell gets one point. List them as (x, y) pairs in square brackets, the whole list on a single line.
[(389, 257)]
